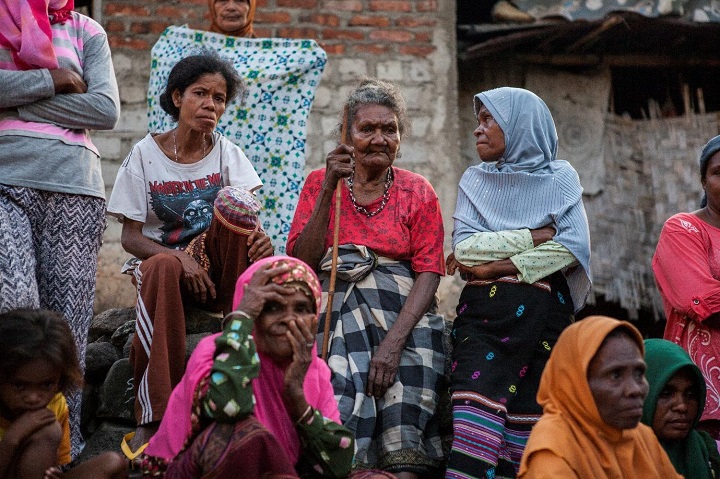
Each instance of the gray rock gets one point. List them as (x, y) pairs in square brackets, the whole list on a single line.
[(121, 334), (99, 357), (191, 342), (108, 321), (116, 394), (107, 437), (201, 321)]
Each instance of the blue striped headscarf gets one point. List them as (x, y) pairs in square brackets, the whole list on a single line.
[(528, 187)]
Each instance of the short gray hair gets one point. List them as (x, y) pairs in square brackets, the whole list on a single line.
[(372, 91)]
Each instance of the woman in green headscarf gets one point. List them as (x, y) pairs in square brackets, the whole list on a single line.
[(673, 408)]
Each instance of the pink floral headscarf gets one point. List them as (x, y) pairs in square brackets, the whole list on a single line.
[(268, 386)]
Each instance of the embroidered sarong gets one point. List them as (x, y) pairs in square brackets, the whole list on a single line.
[(269, 123), (398, 432), (502, 338)]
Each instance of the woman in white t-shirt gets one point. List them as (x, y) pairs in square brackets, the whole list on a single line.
[(165, 195)]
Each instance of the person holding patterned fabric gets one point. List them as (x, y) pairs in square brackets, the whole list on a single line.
[(256, 398), (521, 240), (686, 265), (386, 349), (673, 409), (58, 83), (194, 237), (592, 392), (232, 17)]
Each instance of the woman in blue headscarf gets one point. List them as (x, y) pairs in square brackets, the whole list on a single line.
[(522, 243)]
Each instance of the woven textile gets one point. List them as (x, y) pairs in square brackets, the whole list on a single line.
[(269, 123), (398, 432)]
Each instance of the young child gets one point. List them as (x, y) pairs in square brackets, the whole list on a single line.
[(38, 364)]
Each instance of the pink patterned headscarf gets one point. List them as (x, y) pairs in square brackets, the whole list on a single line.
[(25, 29), (268, 386)]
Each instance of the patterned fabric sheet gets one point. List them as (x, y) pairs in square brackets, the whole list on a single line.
[(702, 11), (269, 123)]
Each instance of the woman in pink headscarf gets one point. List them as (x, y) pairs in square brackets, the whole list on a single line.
[(58, 84), (267, 412)]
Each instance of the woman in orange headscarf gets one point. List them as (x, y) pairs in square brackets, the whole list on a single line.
[(232, 17), (592, 392)]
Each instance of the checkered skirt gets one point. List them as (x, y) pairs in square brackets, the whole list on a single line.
[(400, 430)]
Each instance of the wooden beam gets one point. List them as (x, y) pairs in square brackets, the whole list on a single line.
[(617, 60)]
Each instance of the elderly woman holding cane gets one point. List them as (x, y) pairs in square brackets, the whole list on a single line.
[(184, 199), (522, 241), (386, 349)]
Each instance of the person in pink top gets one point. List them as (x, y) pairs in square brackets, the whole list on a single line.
[(687, 271)]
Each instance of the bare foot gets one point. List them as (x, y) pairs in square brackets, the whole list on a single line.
[(142, 435)]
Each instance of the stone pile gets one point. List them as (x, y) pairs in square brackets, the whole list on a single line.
[(108, 398)]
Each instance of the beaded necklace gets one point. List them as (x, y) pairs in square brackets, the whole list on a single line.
[(385, 196)]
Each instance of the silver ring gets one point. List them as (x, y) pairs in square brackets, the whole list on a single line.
[(309, 345)]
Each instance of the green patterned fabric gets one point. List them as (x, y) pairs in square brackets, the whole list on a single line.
[(269, 123), (229, 397)]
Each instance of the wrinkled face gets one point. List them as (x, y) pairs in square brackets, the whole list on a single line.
[(202, 103), (272, 326), (711, 183), (198, 215), (490, 139), (677, 407), (30, 388), (231, 15), (375, 134), (616, 376)]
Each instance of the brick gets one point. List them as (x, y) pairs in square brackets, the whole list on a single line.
[(264, 32), (426, 6), (411, 22), (321, 19), (294, 32), (343, 5), (416, 50), (369, 21), (391, 35), (127, 42), (373, 48), (334, 34), (297, 3), (125, 10), (423, 37), (333, 48), (390, 6), (114, 26), (179, 13), (272, 17), (140, 28)]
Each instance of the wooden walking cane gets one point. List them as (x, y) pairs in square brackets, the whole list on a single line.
[(336, 240)]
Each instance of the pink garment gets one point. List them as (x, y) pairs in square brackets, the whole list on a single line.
[(687, 271), (269, 409), (25, 30)]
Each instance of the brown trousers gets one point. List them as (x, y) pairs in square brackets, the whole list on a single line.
[(157, 354)]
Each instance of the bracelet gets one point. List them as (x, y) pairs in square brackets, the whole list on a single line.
[(231, 314), (305, 416)]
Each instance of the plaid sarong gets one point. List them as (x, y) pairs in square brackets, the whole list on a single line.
[(269, 123), (398, 432)]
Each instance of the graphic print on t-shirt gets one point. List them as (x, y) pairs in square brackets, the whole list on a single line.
[(184, 207)]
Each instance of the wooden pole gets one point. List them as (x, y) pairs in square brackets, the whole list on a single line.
[(336, 240)]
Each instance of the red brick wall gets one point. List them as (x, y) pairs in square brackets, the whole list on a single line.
[(342, 27)]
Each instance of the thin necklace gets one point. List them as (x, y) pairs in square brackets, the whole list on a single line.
[(385, 196), (175, 145)]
